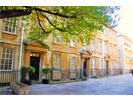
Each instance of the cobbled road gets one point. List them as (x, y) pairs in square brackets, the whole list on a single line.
[(114, 85)]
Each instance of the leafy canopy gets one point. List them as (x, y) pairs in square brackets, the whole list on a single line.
[(73, 22)]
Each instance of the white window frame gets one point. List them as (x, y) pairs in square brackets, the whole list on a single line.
[(114, 50), (74, 63), (115, 65), (106, 48), (105, 31), (8, 20), (109, 33), (5, 58), (93, 45), (94, 64), (60, 38), (100, 47), (85, 46), (110, 49), (101, 64), (55, 62), (72, 43)]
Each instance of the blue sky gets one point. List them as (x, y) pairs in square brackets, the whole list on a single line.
[(126, 23)]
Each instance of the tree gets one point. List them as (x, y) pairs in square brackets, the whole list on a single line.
[(73, 22)]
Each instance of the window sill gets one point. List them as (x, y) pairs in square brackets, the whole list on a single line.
[(72, 70), (56, 71), (5, 70), (9, 33), (72, 47), (57, 43)]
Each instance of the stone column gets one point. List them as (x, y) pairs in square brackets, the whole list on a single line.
[(44, 58), (27, 57)]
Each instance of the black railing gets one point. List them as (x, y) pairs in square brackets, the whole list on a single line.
[(8, 76), (12, 76), (104, 72)]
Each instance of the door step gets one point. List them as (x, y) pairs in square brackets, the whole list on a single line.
[(36, 82)]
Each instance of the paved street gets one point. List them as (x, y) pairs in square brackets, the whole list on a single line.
[(114, 85)]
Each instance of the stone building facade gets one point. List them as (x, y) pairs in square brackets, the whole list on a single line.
[(125, 47), (72, 61)]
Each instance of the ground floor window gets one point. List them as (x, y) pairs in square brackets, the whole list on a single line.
[(7, 59), (94, 64), (101, 64), (116, 66), (56, 62), (72, 63)]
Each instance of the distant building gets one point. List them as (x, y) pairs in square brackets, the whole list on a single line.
[(125, 47)]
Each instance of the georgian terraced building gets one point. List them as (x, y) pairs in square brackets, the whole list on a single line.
[(99, 58), (125, 46)]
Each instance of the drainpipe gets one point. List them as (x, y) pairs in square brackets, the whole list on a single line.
[(20, 51)]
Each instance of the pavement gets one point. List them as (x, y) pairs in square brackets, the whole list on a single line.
[(114, 85)]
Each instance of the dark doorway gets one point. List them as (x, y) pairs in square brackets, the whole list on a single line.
[(107, 67), (34, 62), (84, 68)]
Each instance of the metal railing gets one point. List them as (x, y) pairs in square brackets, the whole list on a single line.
[(8, 76), (104, 72)]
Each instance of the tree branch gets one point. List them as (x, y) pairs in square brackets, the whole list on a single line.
[(62, 30), (57, 14), (40, 23)]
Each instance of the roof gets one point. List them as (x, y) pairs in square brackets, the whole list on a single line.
[(120, 33)]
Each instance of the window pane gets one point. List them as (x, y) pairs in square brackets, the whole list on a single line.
[(7, 55), (6, 67), (10, 56), (6, 28), (9, 29), (10, 61), (4, 50), (7, 51), (6, 61), (1, 67), (9, 67), (2, 61), (3, 55)]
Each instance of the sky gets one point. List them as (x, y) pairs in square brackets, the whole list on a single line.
[(126, 22)]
